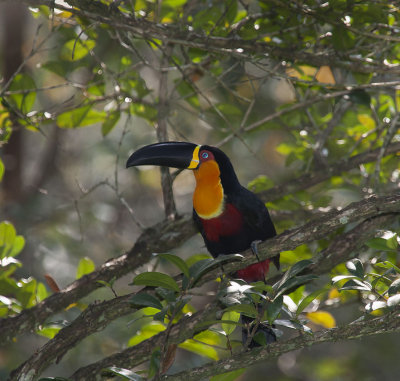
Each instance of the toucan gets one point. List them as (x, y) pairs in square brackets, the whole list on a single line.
[(229, 217)]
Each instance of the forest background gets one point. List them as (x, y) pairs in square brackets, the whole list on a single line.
[(303, 96)]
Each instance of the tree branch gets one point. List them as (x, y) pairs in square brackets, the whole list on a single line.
[(133, 356), (309, 179), (162, 236), (162, 135), (356, 330)]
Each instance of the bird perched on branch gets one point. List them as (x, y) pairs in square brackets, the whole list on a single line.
[(230, 218)]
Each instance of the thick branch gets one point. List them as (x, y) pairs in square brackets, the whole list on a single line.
[(162, 236), (340, 249), (95, 318), (383, 324), (140, 353), (162, 136)]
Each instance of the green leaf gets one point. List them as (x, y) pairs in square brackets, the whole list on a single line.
[(260, 184), (166, 294), (388, 265), (41, 292), (74, 50), (17, 247), (338, 278), (54, 379), (360, 96), (392, 242), (146, 331), (274, 308), (110, 122), (85, 266), (174, 3), (297, 295), (177, 261), (196, 258), (342, 39), (230, 376), (393, 300), (50, 330), (206, 265), (57, 67), (200, 349), (356, 268), (2, 169), (11, 244), (211, 337), (355, 284), (144, 111), (160, 316), (231, 12), (146, 300), (126, 374), (24, 102), (293, 325), (308, 299), (245, 309), (156, 279), (293, 271), (379, 244), (230, 319), (80, 117), (394, 288), (7, 234), (295, 282), (155, 361)]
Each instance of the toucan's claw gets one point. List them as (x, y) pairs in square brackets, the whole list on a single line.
[(254, 248)]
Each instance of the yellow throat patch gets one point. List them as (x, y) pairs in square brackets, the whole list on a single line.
[(208, 197)]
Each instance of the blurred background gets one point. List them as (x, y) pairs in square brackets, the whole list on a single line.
[(96, 96)]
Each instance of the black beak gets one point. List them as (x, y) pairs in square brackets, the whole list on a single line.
[(168, 154)]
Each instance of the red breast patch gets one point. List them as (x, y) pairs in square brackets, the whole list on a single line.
[(226, 224)]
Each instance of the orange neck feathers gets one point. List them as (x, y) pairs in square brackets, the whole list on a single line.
[(208, 197)]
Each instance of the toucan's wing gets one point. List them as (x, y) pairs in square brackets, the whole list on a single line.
[(257, 221), (254, 212)]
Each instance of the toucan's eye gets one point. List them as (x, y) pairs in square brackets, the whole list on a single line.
[(204, 155)]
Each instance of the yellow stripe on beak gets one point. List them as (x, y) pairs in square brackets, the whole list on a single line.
[(194, 163)]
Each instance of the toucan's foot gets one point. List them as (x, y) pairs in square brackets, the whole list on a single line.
[(254, 248)]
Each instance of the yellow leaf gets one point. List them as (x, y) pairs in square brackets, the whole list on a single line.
[(304, 70), (366, 121), (167, 20), (146, 331), (72, 305), (324, 75), (323, 318), (333, 294), (378, 312)]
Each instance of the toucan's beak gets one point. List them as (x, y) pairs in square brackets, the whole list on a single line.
[(169, 154)]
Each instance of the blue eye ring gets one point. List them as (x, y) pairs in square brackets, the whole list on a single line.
[(204, 155)]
